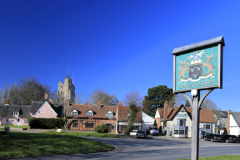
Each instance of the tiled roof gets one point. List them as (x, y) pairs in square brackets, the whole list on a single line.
[(99, 112), (236, 116), (123, 111), (7, 110), (161, 112), (206, 115)]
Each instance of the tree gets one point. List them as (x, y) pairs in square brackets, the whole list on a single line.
[(157, 96), (78, 98), (179, 100), (146, 106), (133, 97), (1, 96), (6, 91), (187, 104), (207, 103), (133, 110), (105, 98)]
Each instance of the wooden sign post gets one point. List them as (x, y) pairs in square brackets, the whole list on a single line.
[(197, 67)]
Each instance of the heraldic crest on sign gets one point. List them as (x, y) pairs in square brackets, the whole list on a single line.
[(193, 68)]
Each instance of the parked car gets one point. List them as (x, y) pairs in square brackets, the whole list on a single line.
[(154, 131), (141, 133), (213, 137), (133, 133), (238, 138), (229, 138)]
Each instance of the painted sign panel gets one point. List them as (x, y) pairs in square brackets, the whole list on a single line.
[(198, 68)]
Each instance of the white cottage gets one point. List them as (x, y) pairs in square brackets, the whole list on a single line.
[(233, 124), (179, 122)]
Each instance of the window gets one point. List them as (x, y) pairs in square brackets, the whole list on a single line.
[(15, 113), (39, 112), (74, 113), (207, 126), (113, 126), (181, 132), (119, 128), (175, 131), (75, 124), (25, 121), (89, 113), (89, 125), (62, 93), (109, 114), (12, 121), (181, 122)]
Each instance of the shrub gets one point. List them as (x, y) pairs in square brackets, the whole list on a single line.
[(46, 123), (25, 128), (101, 129)]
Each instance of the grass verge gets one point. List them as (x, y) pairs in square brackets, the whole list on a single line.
[(14, 126), (223, 157), (20, 144), (84, 134)]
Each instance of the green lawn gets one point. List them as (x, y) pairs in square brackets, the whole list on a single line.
[(20, 144), (224, 157), (14, 126), (84, 134)]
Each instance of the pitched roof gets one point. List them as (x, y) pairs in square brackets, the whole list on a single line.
[(57, 107), (236, 116), (7, 110), (206, 115), (99, 112), (123, 111)]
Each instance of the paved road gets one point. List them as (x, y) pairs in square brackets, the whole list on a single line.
[(153, 148)]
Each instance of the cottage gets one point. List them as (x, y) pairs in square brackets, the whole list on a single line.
[(11, 114), (178, 122), (86, 117), (233, 123)]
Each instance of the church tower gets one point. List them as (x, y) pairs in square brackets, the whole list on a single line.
[(66, 90)]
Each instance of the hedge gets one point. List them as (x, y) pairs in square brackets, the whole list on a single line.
[(46, 123), (101, 129)]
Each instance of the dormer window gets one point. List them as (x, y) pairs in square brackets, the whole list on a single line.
[(89, 113), (109, 114), (15, 113), (74, 113)]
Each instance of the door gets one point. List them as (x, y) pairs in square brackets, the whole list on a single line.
[(109, 127), (4, 121)]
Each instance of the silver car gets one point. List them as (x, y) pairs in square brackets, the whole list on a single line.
[(154, 131), (141, 134)]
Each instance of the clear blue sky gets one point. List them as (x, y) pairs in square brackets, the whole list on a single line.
[(115, 45)]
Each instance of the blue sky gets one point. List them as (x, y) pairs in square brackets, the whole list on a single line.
[(114, 45)]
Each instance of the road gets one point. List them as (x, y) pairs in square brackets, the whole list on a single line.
[(152, 148)]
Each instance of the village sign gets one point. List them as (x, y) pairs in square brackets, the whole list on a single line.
[(198, 67)]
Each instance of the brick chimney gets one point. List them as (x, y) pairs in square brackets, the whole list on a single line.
[(99, 103), (228, 122), (6, 102), (51, 100), (119, 104), (46, 95), (68, 102), (165, 110)]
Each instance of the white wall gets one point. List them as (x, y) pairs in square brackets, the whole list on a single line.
[(148, 121), (233, 127)]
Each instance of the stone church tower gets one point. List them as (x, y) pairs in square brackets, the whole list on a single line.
[(66, 90)]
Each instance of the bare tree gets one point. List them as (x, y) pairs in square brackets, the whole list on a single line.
[(106, 99), (133, 97), (78, 98), (6, 91), (1, 96), (10, 94), (179, 100)]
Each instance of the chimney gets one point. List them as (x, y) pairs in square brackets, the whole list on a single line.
[(68, 102), (6, 102), (228, 122), (46, 95), (51, 100), (119, 104), (165, 110), (99, 103)]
